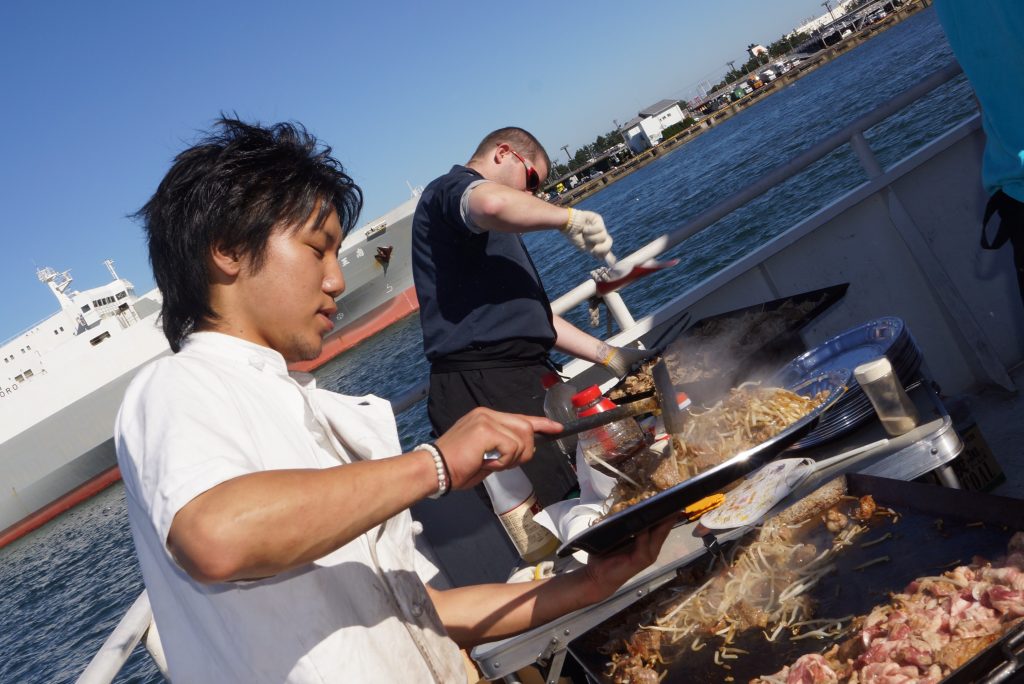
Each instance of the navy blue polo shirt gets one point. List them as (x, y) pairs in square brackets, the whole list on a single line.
[(481, 299)]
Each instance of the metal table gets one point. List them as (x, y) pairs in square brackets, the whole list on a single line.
[(930, 446)]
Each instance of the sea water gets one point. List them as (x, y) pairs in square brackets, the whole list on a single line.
[(64, 587)]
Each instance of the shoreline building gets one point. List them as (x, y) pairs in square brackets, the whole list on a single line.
[(645, 130)]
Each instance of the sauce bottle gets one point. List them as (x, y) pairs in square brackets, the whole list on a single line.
[(558, 406), (886, 393), (609, 444), (515, 504)]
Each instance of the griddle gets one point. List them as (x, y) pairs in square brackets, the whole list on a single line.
[(785, 316), (972, 524), (619, 528)]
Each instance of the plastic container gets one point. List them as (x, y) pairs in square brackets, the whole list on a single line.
[(558, 406), (610, 444), (515, 504), (886, 393), (654, 426)]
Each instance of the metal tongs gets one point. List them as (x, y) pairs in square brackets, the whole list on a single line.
[(671, 414), (634, 408)]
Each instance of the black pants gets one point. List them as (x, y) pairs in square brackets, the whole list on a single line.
[(513, 390)]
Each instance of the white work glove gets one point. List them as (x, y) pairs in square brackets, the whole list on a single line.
[(620, 360), (585, 229)]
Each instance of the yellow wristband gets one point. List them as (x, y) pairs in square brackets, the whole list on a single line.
[(568, 220), (608, 358)]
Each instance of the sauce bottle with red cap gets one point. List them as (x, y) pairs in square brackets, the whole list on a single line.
[(558, 406), (609, 444)]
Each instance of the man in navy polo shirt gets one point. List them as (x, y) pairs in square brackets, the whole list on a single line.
[(487, 323)]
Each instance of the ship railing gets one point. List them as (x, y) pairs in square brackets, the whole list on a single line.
[(137, 623)]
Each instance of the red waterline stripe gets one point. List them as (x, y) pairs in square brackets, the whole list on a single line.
[(372, 323), (70, 500)]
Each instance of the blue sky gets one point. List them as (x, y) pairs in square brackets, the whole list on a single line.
[(99, 97)]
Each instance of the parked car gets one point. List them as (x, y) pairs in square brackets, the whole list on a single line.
[(768, 75)]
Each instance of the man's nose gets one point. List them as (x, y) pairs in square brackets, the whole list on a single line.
[(334, 280)]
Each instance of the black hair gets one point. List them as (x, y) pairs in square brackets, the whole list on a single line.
[(231, 190)]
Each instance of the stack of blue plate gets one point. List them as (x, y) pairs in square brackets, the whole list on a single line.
[(887, 337)]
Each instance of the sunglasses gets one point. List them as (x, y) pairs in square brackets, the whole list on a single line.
[(532, 177)]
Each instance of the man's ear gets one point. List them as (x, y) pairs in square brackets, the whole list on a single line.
[(501, 151), (225, 262)]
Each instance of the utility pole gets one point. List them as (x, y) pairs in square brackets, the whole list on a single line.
[(827, 5), (566, 148)]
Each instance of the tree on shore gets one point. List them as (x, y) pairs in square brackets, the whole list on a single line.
[(779, 48), (584, 154)]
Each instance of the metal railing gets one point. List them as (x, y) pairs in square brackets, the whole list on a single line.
[(136, 625), (137, 622)]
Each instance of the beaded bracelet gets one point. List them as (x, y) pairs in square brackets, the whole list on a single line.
[(443, 479)]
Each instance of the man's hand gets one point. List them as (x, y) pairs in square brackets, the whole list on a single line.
[(607, 573), (482, 430), (619, 360), (585, 229)]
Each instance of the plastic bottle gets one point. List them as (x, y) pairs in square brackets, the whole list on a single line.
[(654, 426), (558, 406), (886, 393), (609, 444), (515, 504)]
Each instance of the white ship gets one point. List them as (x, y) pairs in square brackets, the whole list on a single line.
[(62, 380)]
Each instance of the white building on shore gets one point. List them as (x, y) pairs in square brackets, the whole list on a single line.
[(645, 131), (812, 24)]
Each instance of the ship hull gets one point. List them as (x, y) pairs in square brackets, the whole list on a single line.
[(60, 461), (379, 290)]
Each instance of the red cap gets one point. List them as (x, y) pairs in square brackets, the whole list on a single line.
[(587, 396), (549, 380)]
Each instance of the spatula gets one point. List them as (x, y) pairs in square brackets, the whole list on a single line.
[(768, 485)]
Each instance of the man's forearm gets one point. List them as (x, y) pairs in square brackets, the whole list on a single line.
[(487, 612), (264, 523), (482, 613), (582, 345)]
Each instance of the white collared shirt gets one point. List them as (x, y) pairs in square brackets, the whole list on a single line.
[(222, 408)]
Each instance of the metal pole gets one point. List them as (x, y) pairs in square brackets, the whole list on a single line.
[(828, 6)]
